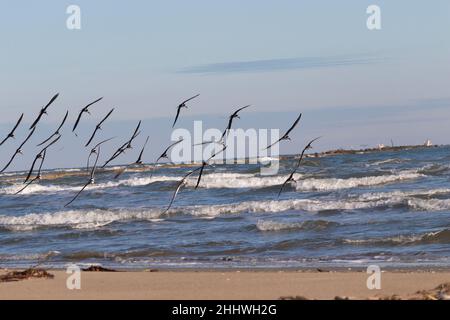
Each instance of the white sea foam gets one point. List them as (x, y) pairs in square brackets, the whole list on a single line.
[(270, 225), (131, 182), (97, 218), (237, 180), (77, 218), (337, 184)]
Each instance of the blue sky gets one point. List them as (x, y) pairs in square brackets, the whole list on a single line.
[(354, 86)]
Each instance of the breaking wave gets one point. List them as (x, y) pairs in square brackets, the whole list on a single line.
[(337, 184), (270, 225), (441, 236)]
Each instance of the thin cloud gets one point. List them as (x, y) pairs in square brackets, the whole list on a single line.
[(281, 64)]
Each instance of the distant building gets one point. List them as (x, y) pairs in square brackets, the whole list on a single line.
[(428, 143)]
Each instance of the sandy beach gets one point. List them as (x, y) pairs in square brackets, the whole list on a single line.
[(232, 284)]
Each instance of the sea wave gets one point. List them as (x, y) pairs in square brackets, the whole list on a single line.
[(441, 237), (230, 181), (338, 184), (100, 217), (131, 182), (270, 225)]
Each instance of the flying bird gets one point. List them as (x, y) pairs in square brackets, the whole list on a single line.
[(231, 118), (84, 110), (135, 134), (183, 105), (138, 162), (164, 154), (204, 164), (38, 176), (11, 134), (286, 135), (56, 133), (180, 184), (43, 111), (18, 151), (291, 176), (40, 155), (125, 146), (99, 127), (90, 181), (94, 151)]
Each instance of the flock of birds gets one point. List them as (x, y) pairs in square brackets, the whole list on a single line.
[(95, 150)]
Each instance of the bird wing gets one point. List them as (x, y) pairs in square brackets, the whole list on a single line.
[(89, 182), (273, 144), (33, 125), (31, 169), (120, 171), (17, 124), (102, 142), (56, 132), (51, 101), (176, 117), (27, 138), (168, 148), (78, 120), (92, 136), (230, 122), (10, 161), (42, 162), (27, 185), (17, 151), (13, 130), (142, 151), (95, 164), (4, 140), (180, 184), (43, 110), (51, 143), (200, 174), (293, 126), (79, 192), (304, 150), (38, 173), (135, 133), (106, 117), (84, 110), (90, 104), (46, 140), (240, 109), (290, 178), (189, 99)]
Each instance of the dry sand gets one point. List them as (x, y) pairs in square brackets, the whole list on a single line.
[(206, 285)]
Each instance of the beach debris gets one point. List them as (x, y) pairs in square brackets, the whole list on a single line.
[(293, 298), (29, 273), (94, 268), (441, 292)]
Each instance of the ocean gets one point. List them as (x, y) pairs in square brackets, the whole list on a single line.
[(389, 208)]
